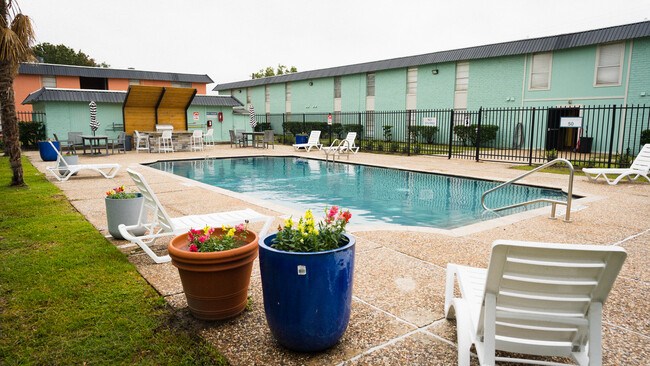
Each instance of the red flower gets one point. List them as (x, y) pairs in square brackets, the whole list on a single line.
[(194, 248)]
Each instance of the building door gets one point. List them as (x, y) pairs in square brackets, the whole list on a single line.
[(558, 138)]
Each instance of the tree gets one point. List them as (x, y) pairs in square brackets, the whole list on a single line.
[(16, 35), (269, 71), (61, 54)]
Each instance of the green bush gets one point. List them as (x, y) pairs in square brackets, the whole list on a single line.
[(394, 146), (353, 128), (469, 134), (263, 127), (296, 128), (427, 133), (388, 133), (551, 155), (416, 148), (624, 160), (30, 132), (645, 137)]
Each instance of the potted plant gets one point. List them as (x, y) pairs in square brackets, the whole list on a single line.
[(70, 158), (122, 208), (307, 276), (215, 267), (46, 151)]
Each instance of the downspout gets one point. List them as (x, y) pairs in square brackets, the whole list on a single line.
[(128, 91), (158, 104), (187, 106)]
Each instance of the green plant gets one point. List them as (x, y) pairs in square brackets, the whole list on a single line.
[(353, 128), (379, 145), (417, 148), (551, 155), (120, 194), (645, 137), (306, 237), (30, 132), (427, 133), (470, 133), (394, 146), (624, 160), (209, 240), (388, 133), (262, 127), (405, 149)]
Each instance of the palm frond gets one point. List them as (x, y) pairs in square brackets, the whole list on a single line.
[(11, 47), (22, 26)]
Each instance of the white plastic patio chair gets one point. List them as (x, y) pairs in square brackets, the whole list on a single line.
[(639, 168), (165, 142), (141, 141), (208, 138), (535, 299), (313, 141), (155, 222), (69, 169), (197, 140)]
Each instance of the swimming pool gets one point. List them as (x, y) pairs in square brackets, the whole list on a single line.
[(373, 195)]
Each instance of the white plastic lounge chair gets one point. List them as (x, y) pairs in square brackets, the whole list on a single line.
[(69, 170), (345, 146), (313, 141), (536, 299), (639, 168), (161, 224)]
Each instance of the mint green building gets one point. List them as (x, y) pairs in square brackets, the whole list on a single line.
[(608, 66)]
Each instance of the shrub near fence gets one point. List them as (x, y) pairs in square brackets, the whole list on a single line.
[(30, 132)]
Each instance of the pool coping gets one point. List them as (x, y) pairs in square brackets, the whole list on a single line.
[(577, 203)]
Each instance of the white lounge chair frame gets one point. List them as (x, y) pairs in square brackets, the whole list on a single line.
[(639, 168), (536, 299), (313, 141), (70, 169), (345, 146), (155, 223)]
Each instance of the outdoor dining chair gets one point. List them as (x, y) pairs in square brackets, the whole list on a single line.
[(165, 142), (141, 141), (197, 140)]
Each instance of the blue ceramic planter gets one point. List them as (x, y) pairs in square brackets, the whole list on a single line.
[(46, 150), (307, 296)]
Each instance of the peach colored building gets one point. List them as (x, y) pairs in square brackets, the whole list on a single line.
[(34, 76)]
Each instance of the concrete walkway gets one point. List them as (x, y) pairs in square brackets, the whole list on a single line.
[(397, 311)]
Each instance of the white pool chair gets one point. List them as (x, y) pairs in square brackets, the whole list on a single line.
[(165, 142), (639, 168), (155, 222), (313, 141), (208, 138), (196, 141), (141, 141), (70, 169), (538, 299)]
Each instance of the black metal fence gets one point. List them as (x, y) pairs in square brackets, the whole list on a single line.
[(595, 136)]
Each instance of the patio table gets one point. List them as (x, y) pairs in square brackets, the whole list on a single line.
[(95, 145)]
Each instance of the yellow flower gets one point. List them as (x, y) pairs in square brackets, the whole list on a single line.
[(112, 191), (309, 215), (288, 222), (206, 230), (231, 232), (123, 188), (301, 228)]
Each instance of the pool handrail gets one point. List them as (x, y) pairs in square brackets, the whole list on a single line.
[(567, 217)]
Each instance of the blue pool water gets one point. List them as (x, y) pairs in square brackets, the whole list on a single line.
[(373, 195)]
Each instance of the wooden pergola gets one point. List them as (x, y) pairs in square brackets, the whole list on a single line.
[(146, 106)]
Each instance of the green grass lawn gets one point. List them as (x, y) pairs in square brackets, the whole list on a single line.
[(557, 169), (68, 296)]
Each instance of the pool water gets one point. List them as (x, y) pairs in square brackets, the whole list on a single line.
[(373, 195)]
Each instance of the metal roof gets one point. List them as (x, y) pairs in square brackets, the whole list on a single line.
[(542, 44), (110, 96), (216, 100), (102, 72)]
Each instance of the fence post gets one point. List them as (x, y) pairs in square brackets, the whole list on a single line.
[(284, 130), (361, 134), (478, 133), (304, 125), (532, 137), (408, 132), (611, 141), (451, 131)]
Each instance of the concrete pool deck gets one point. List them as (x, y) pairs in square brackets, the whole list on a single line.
[(397, 311)]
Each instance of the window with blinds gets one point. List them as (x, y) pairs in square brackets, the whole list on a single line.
[(540, 71), (181, 84), (462, 76), (609, 59), (337, 87), (412, 81), (248, 96), (49, 81), (134, 82), (288, 91), (370, 84)]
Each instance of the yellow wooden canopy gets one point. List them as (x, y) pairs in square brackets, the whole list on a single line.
[(146, 106)]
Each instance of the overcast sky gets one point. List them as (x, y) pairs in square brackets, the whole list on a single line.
[(229, 40)]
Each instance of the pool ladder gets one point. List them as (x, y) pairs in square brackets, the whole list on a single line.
[(567, 217), (342, 148)]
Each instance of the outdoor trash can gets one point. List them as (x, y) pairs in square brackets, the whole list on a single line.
[(301, 139), (585, 145), (128, 140)]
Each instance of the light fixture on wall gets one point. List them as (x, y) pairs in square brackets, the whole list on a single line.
[(311, 83), (240, 90), (434, 71)]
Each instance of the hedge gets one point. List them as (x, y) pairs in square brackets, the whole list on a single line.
[(468, 133), (30, 132)]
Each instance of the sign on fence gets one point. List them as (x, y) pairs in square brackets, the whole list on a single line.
[(329, 119), (571, 122), (430, 121)]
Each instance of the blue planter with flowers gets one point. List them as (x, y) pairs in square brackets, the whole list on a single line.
[(307, 295), (47, 152)]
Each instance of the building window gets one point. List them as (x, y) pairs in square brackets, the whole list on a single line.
[(49, 81), (287, 104), (288, 92), (540, 71), (412, 81), (609, 58), (134, 82), (370, 84), (181, 84), (248, 96), (337, 87), (267, 98), (462, 76)]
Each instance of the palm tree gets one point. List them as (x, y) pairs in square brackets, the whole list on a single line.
[(16, 36)]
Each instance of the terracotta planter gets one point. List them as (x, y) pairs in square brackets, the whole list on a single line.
[(215, 283)]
